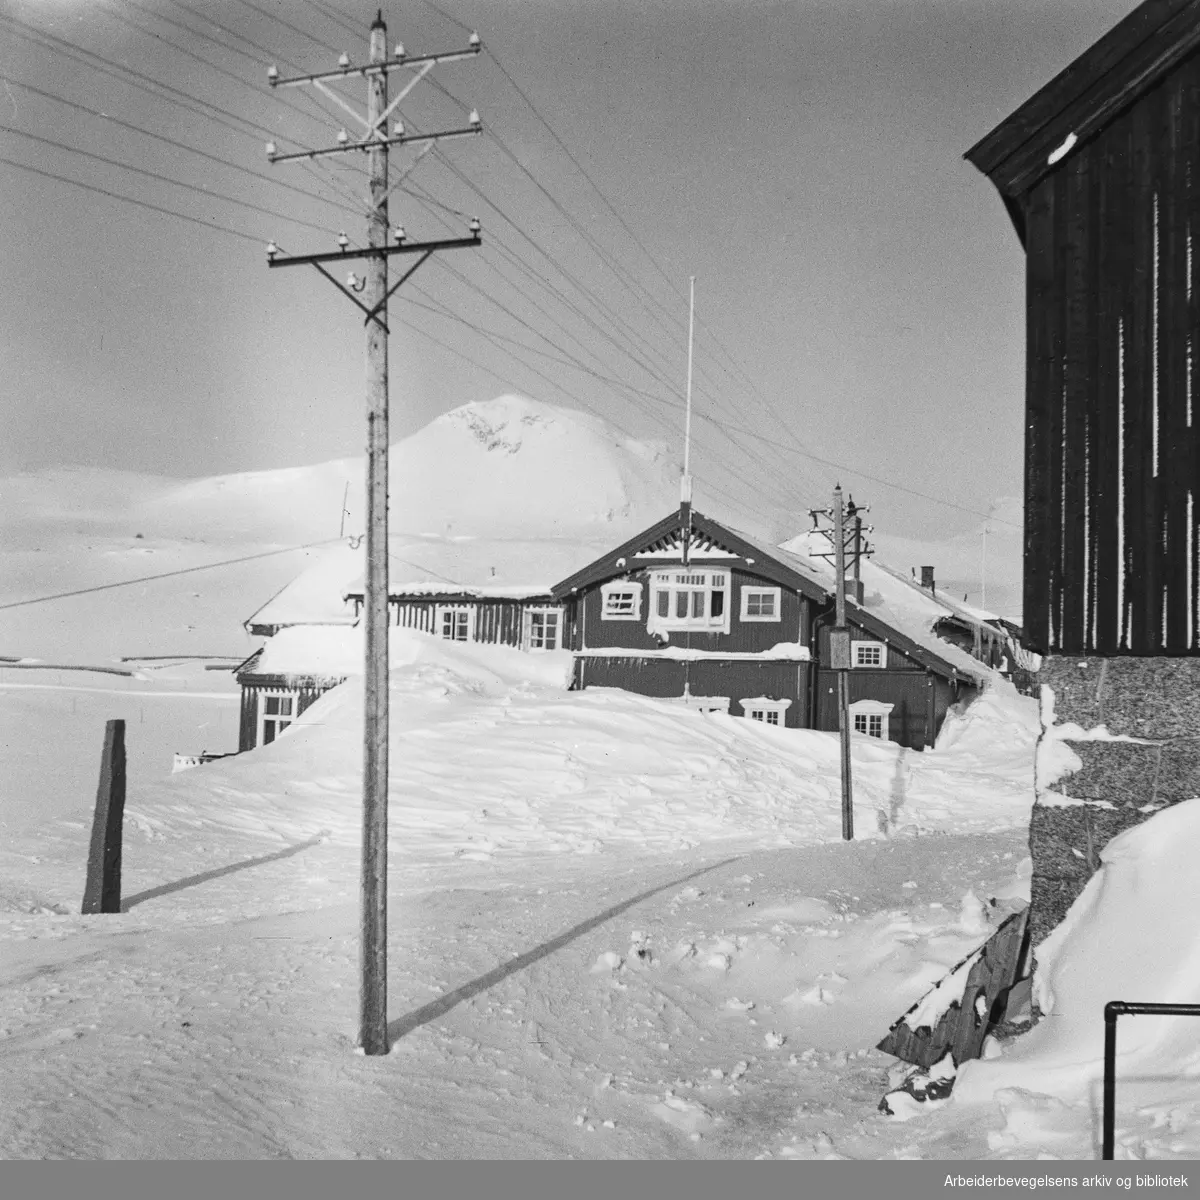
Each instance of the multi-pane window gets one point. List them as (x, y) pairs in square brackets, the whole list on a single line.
[(869, 723), (869, 654), (277, 710), (769, 716), (621, 601), (541, 629), (689, 600), (454, 624), (872, 718), (760, 604), (766, 710)]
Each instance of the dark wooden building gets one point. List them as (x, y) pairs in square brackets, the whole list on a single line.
[(1100, 173), (744, 627)]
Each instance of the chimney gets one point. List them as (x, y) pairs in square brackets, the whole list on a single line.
[(927, 578)]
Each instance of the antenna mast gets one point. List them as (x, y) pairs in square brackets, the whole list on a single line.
[(685, 492)]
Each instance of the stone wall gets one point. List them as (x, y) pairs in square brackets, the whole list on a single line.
[(1120, 782)]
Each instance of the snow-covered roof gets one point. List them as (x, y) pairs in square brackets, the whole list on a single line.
[(896, 601), (425, 566)]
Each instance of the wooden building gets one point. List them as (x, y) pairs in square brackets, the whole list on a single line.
[(1100, 173), (743, 627)]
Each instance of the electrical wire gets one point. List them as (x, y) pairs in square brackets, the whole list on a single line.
[(104, 587)]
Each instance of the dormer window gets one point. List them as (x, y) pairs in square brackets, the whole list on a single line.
[(697, 600), (621, 600), (868, 654)]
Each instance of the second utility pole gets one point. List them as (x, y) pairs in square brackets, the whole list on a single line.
[(843, 675)]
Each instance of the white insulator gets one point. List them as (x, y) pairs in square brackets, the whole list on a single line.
[(398, 129), (343, 240), (343, 137), (272, 73), (473, 40), (399, 234), (272, 149), (400, 51), (475, 226), (352, 281), (473, 119), (344, 60), (272, 249)]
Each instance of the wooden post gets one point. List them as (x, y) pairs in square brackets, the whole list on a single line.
[(102, 893), (843, 678), (373, 948)]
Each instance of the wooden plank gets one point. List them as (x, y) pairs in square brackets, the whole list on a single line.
[(963, 1025), (1141, 510), (1040, 397), (1110, 251), (102, 891), (1078, 356), (1191, 144), (1175, 456)]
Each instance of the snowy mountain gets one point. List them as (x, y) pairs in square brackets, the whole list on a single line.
[(508, 467)]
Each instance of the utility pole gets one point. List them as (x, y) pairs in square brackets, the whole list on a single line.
[(839, 636), (375, 144)]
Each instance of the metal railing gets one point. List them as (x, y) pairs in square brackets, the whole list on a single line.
[(1112, 1010)]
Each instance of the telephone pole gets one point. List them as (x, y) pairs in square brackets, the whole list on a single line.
[(375, 144), (840, 658)]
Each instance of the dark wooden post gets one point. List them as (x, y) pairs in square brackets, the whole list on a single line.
[(103, 891)]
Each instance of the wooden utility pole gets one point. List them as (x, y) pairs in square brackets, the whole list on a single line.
[(839, 636), (102, 892), (373, 934), (376, 291), (843, 675)]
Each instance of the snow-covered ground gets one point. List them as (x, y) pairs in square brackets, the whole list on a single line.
[(618, 928)]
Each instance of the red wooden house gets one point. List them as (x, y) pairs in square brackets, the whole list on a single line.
[(690, 609)]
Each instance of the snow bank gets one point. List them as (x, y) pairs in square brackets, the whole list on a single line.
[(1102, 952)]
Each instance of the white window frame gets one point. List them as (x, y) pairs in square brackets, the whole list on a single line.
[(762, 708), (692, 582), (444, 610), (527, 630), (859, 648), (620, 587), (776, 603), (868, 709), (279, 721)]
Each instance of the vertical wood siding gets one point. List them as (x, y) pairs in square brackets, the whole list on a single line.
[(1112, 555), (306, 694), (500, 621)]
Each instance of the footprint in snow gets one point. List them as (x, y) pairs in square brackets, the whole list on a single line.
[(689, 1116)]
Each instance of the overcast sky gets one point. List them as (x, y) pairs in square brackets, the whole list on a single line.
[(859, 286)]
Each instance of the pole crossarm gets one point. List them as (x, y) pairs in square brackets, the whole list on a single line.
[(373, 143), (398, 284), (375, 251), (372, 313), (365, 70)]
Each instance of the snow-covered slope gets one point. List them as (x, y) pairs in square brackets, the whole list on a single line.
[(505, 468)]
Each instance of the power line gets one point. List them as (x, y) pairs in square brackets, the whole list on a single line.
[(228, 562), (206, 192)]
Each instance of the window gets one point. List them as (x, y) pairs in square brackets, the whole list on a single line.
[(689, 600), (872, 718), (868, 654), (621, 601), (455, 624), (766, 710), (869, 723), (760, 604), (542, 629), (276, 711)]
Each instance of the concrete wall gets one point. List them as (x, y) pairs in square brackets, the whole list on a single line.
[(1120, 783)]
